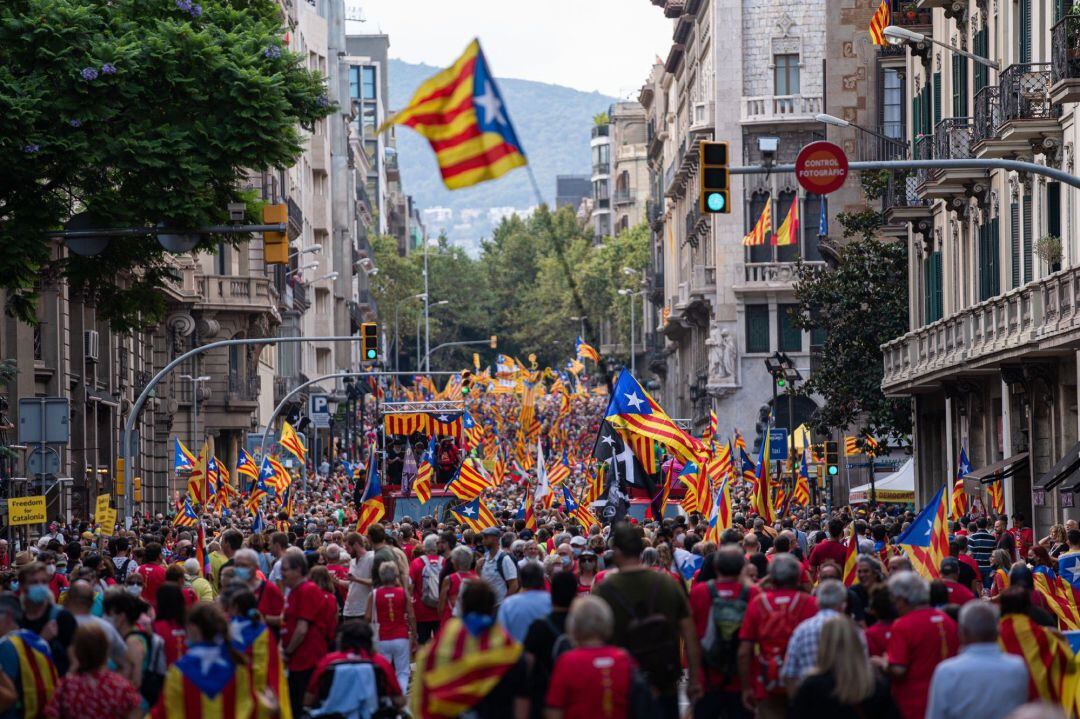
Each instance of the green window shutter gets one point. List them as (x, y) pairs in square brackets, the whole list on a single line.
[(937, 98), (932, 295), (939, 305), (981, 41), (916, 115), (789, 337), (757, 328), (1028, 270), (960, 86), (1014, 243), (988, 260), (1025, 31), (1053, 214)]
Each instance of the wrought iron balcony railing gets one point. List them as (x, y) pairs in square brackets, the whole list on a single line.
[(987, 114), (953, 138), (1025, 92), (924, 150), (900, 192), (1065, 52)]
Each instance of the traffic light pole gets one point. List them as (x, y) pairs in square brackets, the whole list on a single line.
[(430, 352)]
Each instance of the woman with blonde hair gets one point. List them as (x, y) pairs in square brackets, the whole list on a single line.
[(842, 684), (1000, 563)]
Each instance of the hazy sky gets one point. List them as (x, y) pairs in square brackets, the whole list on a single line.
[(604, 45)]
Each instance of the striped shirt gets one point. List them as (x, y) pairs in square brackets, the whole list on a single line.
[(981, 544)]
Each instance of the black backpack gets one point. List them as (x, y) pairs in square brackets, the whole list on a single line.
[(652, 638), (721, 642)]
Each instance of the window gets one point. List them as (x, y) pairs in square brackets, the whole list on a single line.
[(354, 82), (932, 292), (368, 83), (1053, 215), (322, 360), (786, 74), (818, 335), (981, 42), (1028, 262), (892, 104), (322, 302), (786, 253), (757, 328), (758, 253), (959, 86), (1023, 31), (788, 336), (811, 222), (600, 190), (937, 102), (1014, 244), (988, 260)]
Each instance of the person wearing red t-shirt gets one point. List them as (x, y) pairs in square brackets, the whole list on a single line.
[(767, 626), (950, 576), (426, 612), (723, 696), (832, 548), (391, 611), (1022, 536), (883, 612), (152, 571), (354, 644), (594, 679), (921, 639), (169, 621), (327, 623), (339, 571), (301, 639), (462, 558)]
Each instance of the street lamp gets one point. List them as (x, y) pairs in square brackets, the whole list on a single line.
[(633, 354), (327, 276), (195, 407), (313, 249), (427, 328), (840, 122), (581, 321), (301, 268), (397, 320), (896, 35)]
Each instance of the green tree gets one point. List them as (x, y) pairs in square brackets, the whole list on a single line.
[(860, 304), (137, 112), (394, 288)]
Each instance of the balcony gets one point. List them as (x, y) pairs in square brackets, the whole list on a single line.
[(684, 164), (243, 389), (901, 202), (284, 385), (952, 141), (703, 283), (601, 168), (295, 219), (1027, 113), (654, 213), (922, 17), (601, 131), (390, 164), (623, 197), (1041, 317), (320, 215), (318, 156), (769, 276), (656, 288), (1065, 66), (986, 132), (780, 108), (230, 293)]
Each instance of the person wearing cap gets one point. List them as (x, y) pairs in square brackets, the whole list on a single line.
[(497, 567), (586, 575)]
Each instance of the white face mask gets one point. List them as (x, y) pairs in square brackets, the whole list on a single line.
[(133, 589)]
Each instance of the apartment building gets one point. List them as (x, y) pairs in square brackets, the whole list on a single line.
[(629, 170), (991, 361), (723, 308)]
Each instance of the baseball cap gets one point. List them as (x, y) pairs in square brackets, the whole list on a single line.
[(578, 541), (491, 532)]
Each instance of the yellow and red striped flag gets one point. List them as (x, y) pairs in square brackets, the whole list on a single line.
[(881, 20), (587, 351), (198, 487), (632, 409), (290, 440), (926, 540), (469, 481), (958, 501), (425, 472), (1052, 667), (788, 232), (372, 505), (462, 114), (697, 496), (762, 228), (475, 514), (851, 557), (996, 492)]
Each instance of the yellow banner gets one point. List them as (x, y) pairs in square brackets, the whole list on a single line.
[(106, 522), (26, 510), (102, 504)]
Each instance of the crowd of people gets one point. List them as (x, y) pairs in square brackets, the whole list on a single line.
[(426, 617)]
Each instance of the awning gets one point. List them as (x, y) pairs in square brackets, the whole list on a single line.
[(999, 470), (1062, 470), (896, 487)]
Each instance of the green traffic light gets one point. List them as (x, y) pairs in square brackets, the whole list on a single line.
[(371, 354), (833, 470), (715, 201), (781, 382)]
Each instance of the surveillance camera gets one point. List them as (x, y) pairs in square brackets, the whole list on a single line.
[(768, 147)]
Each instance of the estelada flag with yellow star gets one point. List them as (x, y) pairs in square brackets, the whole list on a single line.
[(462, 114)]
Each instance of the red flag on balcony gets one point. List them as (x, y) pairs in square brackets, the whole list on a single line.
[(788, 232)]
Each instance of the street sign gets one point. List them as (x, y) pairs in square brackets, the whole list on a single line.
[(43, 461), (26, 510), (43, 420), (319, 410), (821, 168), (778, 449)]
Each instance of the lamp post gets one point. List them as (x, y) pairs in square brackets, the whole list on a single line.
[(896, 35), (427, 339), (397, 318), (840, 122), (581, 326), (633, 354), (195, 406)]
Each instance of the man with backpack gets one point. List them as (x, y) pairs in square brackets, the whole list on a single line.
[(498, 568), (547, 639), (651, 615), (768, 624), (718, 607), (425, 572)]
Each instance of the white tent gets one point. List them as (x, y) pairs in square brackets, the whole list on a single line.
[(896, 487)]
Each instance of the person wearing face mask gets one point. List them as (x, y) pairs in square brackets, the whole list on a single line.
[(270, 600), (586, 571), (566, 558), (58, 583), (52, 623)]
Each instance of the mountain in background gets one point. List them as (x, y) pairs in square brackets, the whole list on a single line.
[(553, 123)]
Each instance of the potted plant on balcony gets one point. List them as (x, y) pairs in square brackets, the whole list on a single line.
[(910, 11), (1048, 249)]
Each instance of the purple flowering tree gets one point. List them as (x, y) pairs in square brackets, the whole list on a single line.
[(139, 111)]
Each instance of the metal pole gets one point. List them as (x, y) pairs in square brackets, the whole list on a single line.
[(195, 411), (427, 308), (397, 349), (427, 357), (140, 401), (418, 368), (969, 164), (633, 355)]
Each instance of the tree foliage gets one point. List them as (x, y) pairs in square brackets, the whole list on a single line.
[(138, 112), (861, 304), (518, 288)]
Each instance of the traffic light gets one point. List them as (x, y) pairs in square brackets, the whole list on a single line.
[(275, 244), (715, 196), (466, 382), (494, 341), (832, 458), (369, 341)]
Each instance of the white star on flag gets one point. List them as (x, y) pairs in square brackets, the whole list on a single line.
[(469, 510), (491, 105), (634, 401)]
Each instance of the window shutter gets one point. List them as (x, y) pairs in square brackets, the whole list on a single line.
[(1053, 208), (1025, 31), (757, 328), (1014, 243), (960, 86), (937, 98), (1028, 274), (981, 42)]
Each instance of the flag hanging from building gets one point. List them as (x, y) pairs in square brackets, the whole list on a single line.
[(881, 20), (823, 218), (290, 440), (762, 228), (462, 114), (788, 232), (926, 540), (996, 492)]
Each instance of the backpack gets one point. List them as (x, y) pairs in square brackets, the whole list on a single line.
[(122, 571), (154, 666), (776, 629), (429, 582), (652, 639), (721, 642)]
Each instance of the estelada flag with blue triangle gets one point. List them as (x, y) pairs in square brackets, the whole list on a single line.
[(245, 465), (372, 506), (462, 114), (926, 541), (475, 514), (183, 459), (633, 410)]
